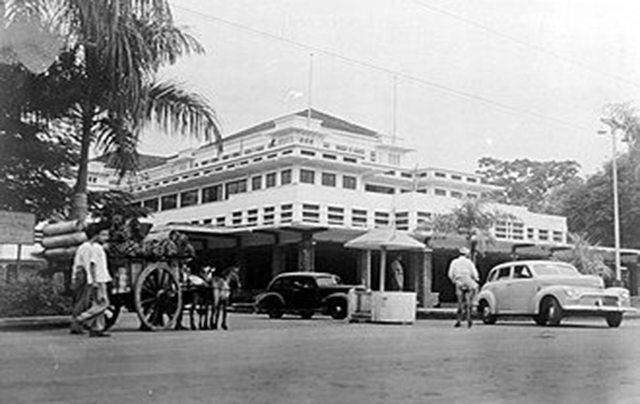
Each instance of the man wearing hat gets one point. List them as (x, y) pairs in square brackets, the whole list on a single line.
[(464, 275)]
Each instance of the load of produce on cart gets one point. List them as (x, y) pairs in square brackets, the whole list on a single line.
[(130, 239), (148, 272)]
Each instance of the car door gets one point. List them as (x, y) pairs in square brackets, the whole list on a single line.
[(501, 289), (522, 288), (303, 292), (284, 286)]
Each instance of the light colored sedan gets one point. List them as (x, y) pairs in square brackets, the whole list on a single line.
[(548, 291)]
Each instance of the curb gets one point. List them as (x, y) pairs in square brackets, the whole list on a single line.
[(57, 322), (450, 314), (34, 323)]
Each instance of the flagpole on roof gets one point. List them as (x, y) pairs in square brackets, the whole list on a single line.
[(395, 108), (310, 85)]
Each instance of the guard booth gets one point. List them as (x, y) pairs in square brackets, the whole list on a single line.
[(383, 306)]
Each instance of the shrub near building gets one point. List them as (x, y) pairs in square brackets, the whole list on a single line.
[(32, 296)]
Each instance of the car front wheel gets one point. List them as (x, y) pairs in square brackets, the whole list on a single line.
[(485, 313), (614, 319), (552, 311)]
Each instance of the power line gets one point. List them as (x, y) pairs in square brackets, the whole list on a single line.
[(372, 66), (526, 44)]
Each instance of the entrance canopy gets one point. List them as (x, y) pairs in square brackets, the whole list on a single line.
[(385, 239)]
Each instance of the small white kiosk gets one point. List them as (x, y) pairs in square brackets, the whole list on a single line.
[(382, 306)]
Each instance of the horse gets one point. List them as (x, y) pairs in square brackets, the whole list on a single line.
[(200, 297), (221, 295)]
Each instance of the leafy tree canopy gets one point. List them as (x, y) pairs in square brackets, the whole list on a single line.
[(526, 182), (34, 159), (589, 208)]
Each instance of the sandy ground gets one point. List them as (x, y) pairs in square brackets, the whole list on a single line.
[(325, 361)]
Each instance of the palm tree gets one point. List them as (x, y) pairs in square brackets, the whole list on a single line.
[(114, 50), (472, 220), (585, 257)]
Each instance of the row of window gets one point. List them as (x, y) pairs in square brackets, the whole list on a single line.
[(219, 192), (303, 152), (327, 156), (516, 231), (361, 218)]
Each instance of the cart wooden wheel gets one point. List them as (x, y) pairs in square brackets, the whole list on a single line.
[(157, 298)]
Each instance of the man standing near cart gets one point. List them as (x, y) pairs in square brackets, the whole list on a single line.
[(91, 259), (464, 275)]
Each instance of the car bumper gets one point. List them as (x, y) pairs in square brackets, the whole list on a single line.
[(586, 310)]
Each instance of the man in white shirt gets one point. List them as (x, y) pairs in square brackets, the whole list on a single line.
[(92, 258), (81, 295), (464, 275)]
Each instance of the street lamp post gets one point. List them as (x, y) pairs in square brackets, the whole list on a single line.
[(616, 209)]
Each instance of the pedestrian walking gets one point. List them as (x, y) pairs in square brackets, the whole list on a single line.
[(81, 295), (464, 275), (397, 273), (91, 259)]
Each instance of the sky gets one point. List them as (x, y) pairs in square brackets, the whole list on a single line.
[(499, 78)]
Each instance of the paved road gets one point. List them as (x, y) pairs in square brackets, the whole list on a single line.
[(324, 361)]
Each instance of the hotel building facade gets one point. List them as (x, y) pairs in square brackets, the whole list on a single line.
[(286, 194)]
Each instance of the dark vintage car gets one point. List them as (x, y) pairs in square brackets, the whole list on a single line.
[(305, 294)]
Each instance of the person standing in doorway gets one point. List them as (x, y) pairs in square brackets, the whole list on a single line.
[(464, 275), (397, 273), (93, 260)]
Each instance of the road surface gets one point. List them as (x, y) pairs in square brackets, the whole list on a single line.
[(325, 361)]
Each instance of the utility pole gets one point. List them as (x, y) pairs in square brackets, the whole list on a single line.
[(613, 126)]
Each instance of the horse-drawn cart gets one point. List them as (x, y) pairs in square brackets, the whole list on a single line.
[(149, 271), (152, 289), (150, 277)]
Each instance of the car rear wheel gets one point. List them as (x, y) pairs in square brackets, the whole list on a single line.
[(614, 319), (485, 312), (338, 310), (551, 311), (274, 309)]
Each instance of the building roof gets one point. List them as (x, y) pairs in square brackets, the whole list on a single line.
[(326, 120), (145, 161)]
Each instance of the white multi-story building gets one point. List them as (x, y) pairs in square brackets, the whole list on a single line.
[(308, 182)]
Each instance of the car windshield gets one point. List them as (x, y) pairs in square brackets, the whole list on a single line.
[(554, 269), (327, 280)]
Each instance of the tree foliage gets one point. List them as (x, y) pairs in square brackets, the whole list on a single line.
[(526, 182), (584, 257), (113, 51), (474, 219), (589, 208), (35, 159)]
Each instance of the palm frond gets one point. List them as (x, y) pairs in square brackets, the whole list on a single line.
[(177, 110), (585, 257), (118, 143)]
